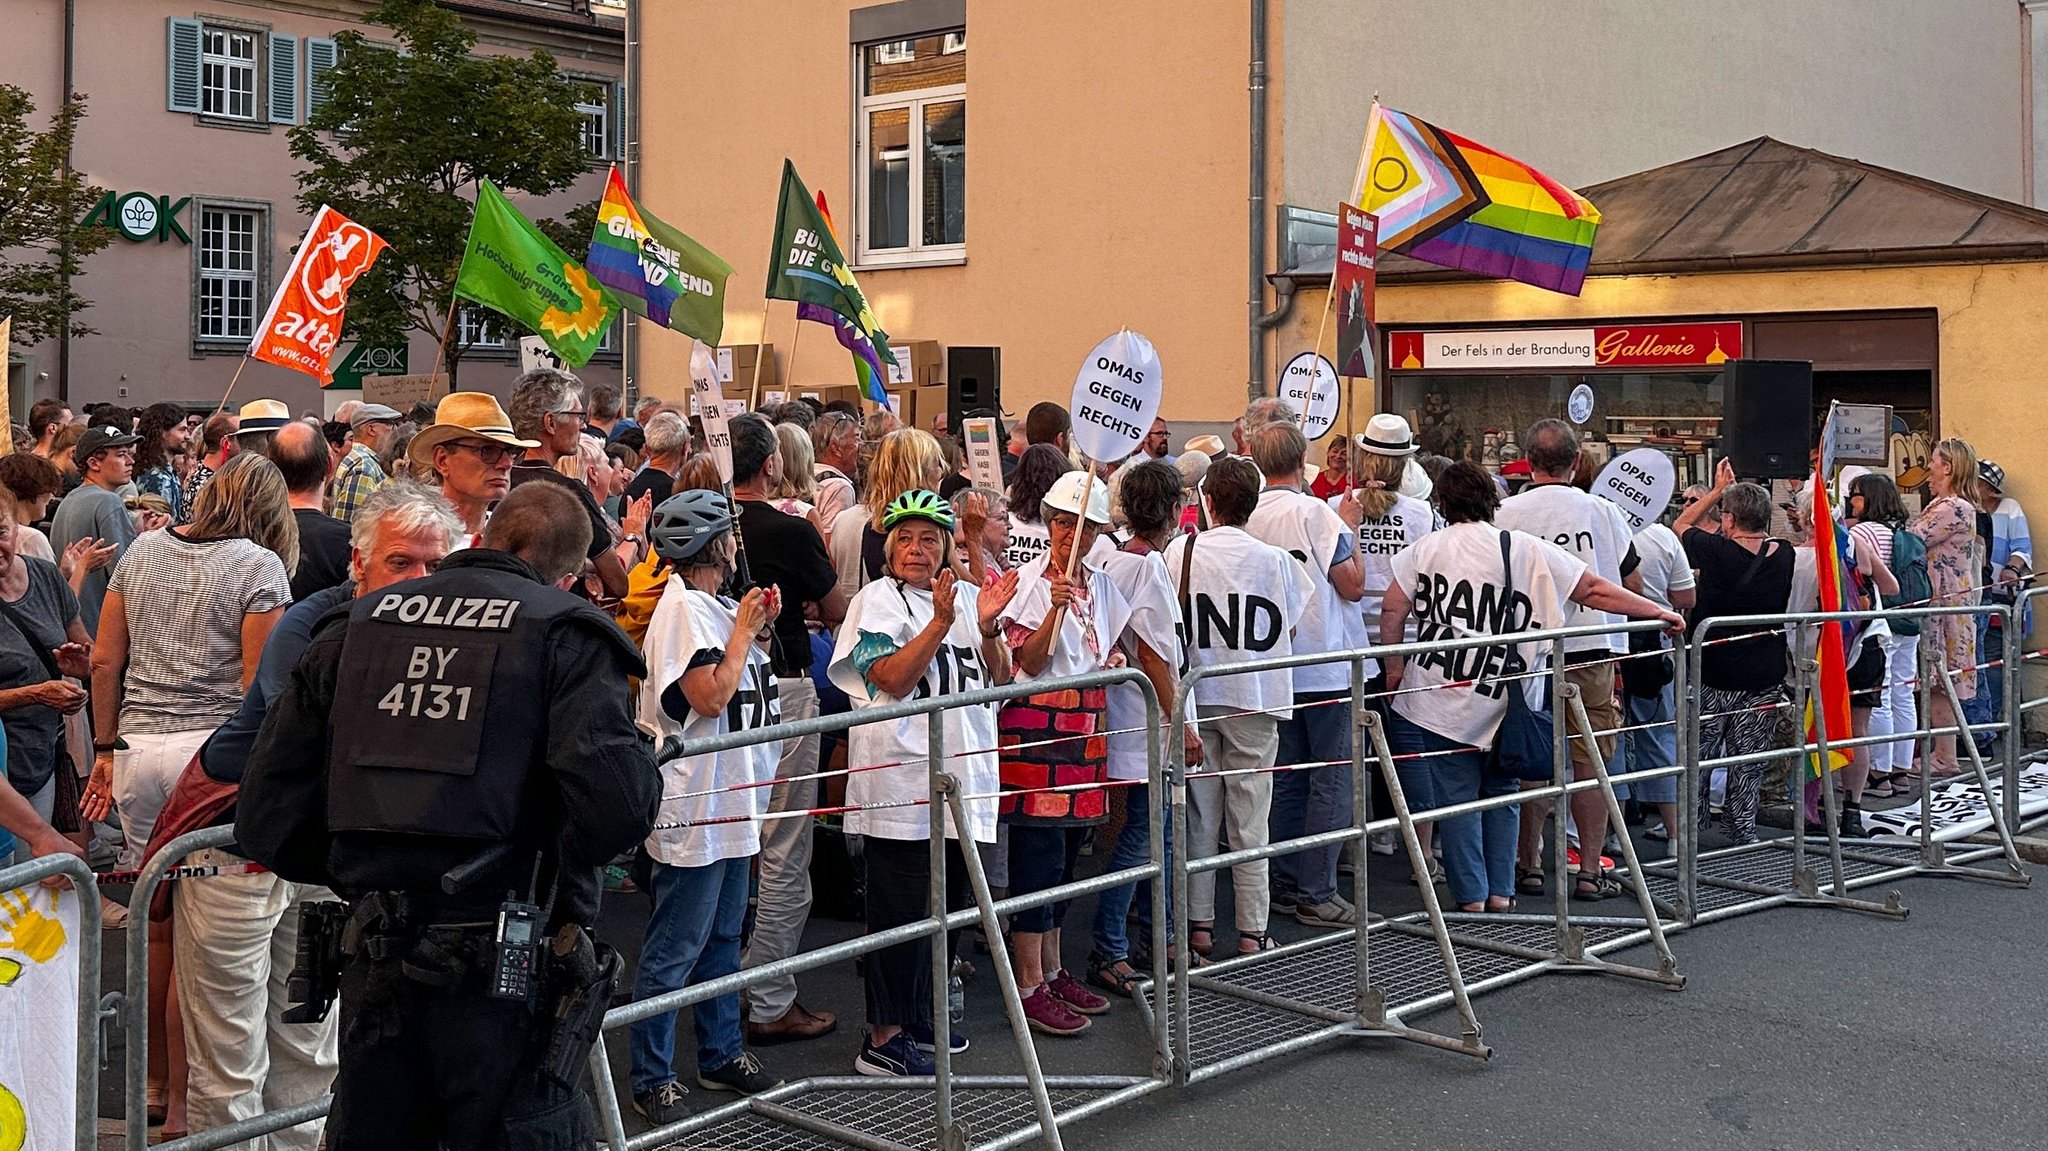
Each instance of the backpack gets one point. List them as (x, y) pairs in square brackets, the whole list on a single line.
[(1909, 567)]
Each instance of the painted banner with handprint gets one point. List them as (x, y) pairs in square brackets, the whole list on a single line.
[(38, 1018)]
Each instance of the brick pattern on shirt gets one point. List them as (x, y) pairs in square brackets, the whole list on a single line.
[(1034, 757)]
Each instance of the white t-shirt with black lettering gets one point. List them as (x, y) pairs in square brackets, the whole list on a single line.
[(1379, 540), (1584, 525), (688, 629), (1155, 620), (1307, 529), (1457, 588), (897, 613), (1242, 598)]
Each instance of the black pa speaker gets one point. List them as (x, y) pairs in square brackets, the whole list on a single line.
[(1767, 418), (974, 379)]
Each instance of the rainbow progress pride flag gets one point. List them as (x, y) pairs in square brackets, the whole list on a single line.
[(1831, 692), (1455, 202)]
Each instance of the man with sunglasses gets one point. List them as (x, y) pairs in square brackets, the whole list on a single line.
[(835, 441), (471, 448)]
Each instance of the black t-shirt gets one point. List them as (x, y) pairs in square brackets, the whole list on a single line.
[(653, 480), (600, 528), (323, 552), (786, 551), (1735, 581), (952, 484)]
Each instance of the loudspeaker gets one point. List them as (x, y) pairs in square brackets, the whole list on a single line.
[(1767, 418), (974, 381)]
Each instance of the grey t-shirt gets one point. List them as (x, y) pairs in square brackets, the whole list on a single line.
[(185, 603), (91, 510), (46, 609)]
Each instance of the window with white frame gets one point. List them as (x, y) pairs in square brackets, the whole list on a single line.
[(911, 143), (479, 329), (596, 109), (230, 247), (227, 73)]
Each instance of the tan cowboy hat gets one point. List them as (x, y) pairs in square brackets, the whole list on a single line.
[(258, 416), (465, 415), (1209, 445)]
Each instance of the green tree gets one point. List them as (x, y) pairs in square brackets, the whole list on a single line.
[(42, 246), (403, 137)]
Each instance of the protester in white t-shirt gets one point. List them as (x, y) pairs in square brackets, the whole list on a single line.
[(1667, 581), (1242, 598), (1152, 494), (906, 460), (1312, 799), (708, 675), (1594, 532), (1038, 469), (1457, 586), (1057, 627), (916, 633)]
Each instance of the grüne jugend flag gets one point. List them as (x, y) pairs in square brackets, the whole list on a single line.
[(806, 265), (510, 267), (655, 270)]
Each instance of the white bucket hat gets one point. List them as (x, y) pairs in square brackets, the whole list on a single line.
[(1065, 496), (1387, 434)]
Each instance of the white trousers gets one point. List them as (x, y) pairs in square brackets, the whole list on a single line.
[(235, 936), (143, 778), (1897, 709), (1236, 807)]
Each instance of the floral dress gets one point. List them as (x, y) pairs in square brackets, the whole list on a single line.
[(1949, 528)]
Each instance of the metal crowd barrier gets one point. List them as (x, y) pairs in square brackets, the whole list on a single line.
[(85, 1094), (1359, 982)]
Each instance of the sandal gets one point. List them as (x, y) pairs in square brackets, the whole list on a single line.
[(1879, 788), (1252, 942), (1103, 973), (1201, 940), (1529, 880), (1603, 886), (1489, 909)]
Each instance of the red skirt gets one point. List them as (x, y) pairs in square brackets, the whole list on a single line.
[(1034, 757)]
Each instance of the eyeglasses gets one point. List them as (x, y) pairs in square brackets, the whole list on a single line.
[(581, 417), (1691, 500), (490, 454)]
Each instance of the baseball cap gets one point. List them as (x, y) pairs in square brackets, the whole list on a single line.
[(100, 439)]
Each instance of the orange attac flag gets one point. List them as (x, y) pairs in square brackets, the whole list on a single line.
[(303, 325), (1831, 694)]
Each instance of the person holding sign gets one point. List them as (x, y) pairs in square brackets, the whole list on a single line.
[(1055, 627), (916, 633)]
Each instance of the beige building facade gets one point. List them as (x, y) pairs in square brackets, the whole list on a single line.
[(188, 109)]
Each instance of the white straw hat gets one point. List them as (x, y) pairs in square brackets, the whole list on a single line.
[(1387, 434)]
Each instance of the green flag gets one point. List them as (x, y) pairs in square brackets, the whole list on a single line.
[(510, 267), (807, 266)]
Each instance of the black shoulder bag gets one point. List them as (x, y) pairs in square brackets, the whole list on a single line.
[(1523, 748)]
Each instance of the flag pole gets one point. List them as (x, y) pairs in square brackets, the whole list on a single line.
[(1074, 552), (795, 335), (441, 349), (231, 384), (760, 353)]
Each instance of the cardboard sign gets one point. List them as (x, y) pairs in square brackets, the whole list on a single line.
[(984, 461), (402, 392), (1309, 384), (1640, 483), (1116, 397), (303, 325), (705, 390), (534, 353), (1859, 433), (724, 365), (774, 399), (900, 371), (1353, 282)]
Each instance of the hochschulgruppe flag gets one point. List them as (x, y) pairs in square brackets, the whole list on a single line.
[(303, 324), (510, 267), (655, 270), (1455, 202), (806, 265)]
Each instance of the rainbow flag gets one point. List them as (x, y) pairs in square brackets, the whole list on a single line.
[(867, 361), (655, 270), (1832, 691), (1452, 201)]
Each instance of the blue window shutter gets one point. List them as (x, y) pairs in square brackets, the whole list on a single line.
[(321, 56), (181, 65), (284, 79)]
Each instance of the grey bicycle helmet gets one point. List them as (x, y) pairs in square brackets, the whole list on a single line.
[(687, 521)]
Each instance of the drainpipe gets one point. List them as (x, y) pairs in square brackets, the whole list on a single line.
[(64, 244), (1256, 385), (629, 347)]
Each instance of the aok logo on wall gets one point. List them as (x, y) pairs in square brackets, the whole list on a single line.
[(139, 216)]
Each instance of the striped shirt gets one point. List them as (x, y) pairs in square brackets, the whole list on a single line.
[(185, 601), (358, 476)]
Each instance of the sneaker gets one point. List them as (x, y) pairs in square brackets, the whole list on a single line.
[(1075, 994), (924, 1038), (1656, 833), (1048, 1013), (1334, 912), (664, 1105), (1382, 842), (899, 1057), (1284, 904), (1436, 873), (618, 880), (744, 1075)]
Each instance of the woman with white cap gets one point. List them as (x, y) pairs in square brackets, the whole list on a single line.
[(1057, 627)]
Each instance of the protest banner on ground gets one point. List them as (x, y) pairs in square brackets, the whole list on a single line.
[(303, 324), (1957, 809), (1640, 483), (1309, 383)]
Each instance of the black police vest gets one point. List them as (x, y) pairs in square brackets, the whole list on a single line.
[(440, 704)]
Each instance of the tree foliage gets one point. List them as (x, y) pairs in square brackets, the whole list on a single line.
[(42, 245), (403, 137)]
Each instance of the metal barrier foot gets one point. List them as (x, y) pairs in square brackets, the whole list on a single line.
[(1666, 972)]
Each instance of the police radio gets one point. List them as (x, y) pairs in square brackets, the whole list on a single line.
[(515, 953)]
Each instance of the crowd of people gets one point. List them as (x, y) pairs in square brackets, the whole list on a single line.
[(161, 573)]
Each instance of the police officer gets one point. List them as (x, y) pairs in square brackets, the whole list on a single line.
[(455, 756)]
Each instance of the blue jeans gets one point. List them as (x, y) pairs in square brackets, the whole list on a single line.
[(1988, 705), (1652, 747), (1313, 800), (692, 937), (1478, 848), (1133, 847)]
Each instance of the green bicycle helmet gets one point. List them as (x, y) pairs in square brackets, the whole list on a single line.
[(687, 521), (918, 505)]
